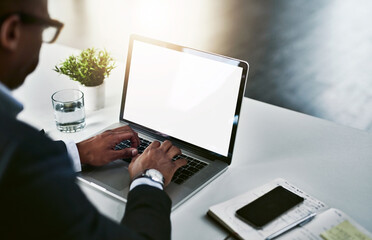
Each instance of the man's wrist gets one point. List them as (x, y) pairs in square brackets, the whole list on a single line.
[(153, 175)]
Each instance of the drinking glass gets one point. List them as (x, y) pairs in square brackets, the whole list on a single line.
[(69, 112)]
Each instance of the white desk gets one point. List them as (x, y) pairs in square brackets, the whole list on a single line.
[(329, 161)]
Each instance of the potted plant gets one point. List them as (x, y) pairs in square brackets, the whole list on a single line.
[(90, 69)]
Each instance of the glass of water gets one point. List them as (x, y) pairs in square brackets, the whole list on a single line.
[(69, 110)]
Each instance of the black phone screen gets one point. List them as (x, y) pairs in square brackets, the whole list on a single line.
[(268, 207)]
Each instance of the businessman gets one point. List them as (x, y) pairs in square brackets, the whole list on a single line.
[(39, 198)]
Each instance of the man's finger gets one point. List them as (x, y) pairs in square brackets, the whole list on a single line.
[(122, 136), (173, 151), (154, 144), (166, 145), (122, 129), (136, 144), (180, 162), (124, 153)]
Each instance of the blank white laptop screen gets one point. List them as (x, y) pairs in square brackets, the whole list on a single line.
[(183, 95)]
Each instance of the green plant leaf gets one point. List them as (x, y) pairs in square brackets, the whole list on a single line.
[(90, 68)]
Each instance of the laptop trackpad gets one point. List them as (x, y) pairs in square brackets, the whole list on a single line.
[(114, 175)]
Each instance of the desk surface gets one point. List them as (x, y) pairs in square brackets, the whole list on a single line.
[(331, 162)]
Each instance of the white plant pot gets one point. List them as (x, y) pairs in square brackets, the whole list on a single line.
[(94, 97)]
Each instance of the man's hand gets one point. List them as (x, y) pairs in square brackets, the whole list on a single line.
[(157, 156), (99, 150)]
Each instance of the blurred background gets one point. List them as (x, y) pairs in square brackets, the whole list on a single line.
[(313, 57)]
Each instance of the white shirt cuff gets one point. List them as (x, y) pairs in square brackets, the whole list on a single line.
[(145, 181), (73, 152)]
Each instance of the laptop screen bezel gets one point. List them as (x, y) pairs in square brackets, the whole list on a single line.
[(177, 142)]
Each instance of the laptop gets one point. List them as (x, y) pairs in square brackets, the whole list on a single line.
[(190, 97)]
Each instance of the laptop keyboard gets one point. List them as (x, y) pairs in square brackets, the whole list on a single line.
[(182, 174)]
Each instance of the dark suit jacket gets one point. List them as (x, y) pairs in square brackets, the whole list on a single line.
[(39, 198)]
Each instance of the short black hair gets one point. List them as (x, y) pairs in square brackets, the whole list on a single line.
[(8, 6)]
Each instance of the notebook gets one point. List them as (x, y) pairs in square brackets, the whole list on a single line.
[(190, 97), (328, 224)]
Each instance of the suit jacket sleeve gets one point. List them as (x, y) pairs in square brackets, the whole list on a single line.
[(148, 212), (41, 200)]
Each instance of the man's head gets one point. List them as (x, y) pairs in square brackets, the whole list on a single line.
[(22, 25)]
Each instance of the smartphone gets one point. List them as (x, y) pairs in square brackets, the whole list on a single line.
[(268, 207)]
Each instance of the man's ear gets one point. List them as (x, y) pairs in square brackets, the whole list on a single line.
[(10, 33)]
